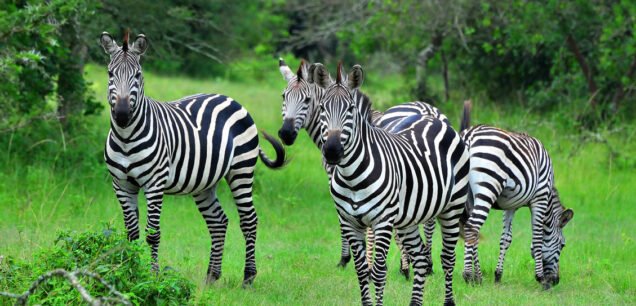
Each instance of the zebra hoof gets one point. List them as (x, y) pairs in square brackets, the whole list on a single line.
[(248, 280), (546, 285), (212, 278), (248, 283), (477, 279), (468, 277), (449, 303), (498, 277), (406, 273), (344, 261)]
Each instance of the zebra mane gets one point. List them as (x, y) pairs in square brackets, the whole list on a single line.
[(124, 46), (299, 73), (365, 106), (339, 73)]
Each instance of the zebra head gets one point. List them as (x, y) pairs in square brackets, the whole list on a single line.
[(553, 240), (297, 101), (125, 81), (338, 111)]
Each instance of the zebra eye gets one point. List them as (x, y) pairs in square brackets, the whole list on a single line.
[(307, 99), (138, 75), (110, 74)]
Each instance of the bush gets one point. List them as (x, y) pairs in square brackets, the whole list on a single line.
[(124, 265)]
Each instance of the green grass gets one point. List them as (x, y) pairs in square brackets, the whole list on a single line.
[(298, 238)]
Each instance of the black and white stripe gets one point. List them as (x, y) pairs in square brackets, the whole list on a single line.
[(389, 181), (183, 147), (507, 171)]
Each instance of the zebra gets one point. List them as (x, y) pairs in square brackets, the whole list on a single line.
[(300, 110), (510, 170), (183, 147), (392, 180)]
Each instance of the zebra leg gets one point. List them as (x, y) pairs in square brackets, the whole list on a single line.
[(356, 240), (241, 182), (128, 201), (484, 199), (414, 245), (216, 222), (382, 235), (405, 261), (154, 199), (504, 243), (429, 228), (370, 246), (345, 256), (537, 211), (449, 224)]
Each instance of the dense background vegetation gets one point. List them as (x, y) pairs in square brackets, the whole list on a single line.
[(563, 71)]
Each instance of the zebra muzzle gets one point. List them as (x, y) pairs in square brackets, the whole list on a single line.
[(287, 133), (122, 112), (332, 149)]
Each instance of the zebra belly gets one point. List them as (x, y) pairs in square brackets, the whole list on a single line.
[(513, 196)]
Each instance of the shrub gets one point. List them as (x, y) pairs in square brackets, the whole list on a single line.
[(124, 265)]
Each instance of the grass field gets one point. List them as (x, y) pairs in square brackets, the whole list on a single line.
[(298, 238)]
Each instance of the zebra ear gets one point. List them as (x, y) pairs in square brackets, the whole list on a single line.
[(355, 78), (140, 45), (310, 73), (566, 216), (302, 70), (108, 43), (320, 75), (285, 70)]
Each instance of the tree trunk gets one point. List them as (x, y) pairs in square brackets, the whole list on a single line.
[(71, 86), (587, 72), (421, 91), (619, 94), (445, 75)]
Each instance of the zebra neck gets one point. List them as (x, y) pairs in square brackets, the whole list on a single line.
[(313, 123), (139, 120), (313, 126), (357, 154)]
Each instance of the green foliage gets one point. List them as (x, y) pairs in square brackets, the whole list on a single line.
[(124, 265), (195, 37), (40, 69)]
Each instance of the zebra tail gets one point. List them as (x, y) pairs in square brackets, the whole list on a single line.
[(280, 161), (468, 105), (468, 208)]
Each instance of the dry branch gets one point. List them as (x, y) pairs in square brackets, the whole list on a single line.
[(73, 279)]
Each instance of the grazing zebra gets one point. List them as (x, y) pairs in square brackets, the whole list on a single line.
[(182, 147), (300, 110), (507, 171), (388, 181)]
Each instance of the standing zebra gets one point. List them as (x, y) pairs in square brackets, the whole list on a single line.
[(182, 147), (389, 181), (508, 171), (300, 110)]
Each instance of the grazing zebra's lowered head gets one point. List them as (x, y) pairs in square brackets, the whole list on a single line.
[(339, 116), (557, 217), (125, 80), (299, 99)]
